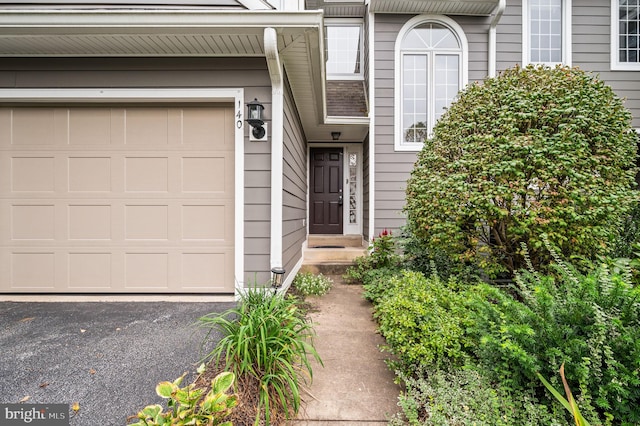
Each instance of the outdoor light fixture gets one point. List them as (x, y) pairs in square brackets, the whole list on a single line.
[(335, 135), (255, 119), (277, 274)]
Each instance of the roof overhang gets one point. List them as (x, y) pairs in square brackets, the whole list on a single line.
[(186, 33), (435, 7)]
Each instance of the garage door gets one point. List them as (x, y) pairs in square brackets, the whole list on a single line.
[(126, 199)]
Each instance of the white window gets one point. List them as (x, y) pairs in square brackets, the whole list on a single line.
[(625, 34), (546, 35), (431, 67), (344, 49)]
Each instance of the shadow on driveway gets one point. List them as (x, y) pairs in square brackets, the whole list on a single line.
[(108, 357)]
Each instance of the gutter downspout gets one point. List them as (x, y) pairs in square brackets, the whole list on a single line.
[(492, 55), (277, 122)]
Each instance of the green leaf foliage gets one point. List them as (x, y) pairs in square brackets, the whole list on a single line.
[(309, 284), (419, 318), (267, 337), (187, 406), (534, 151)]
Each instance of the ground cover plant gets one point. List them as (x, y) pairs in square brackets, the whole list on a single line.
[(533, 151), (503, 339), (190, 405), (308, 284), (267, 343)]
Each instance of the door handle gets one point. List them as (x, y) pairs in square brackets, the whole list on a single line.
[(340, 200)]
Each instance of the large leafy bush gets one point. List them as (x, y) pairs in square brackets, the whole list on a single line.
[(534, 151)]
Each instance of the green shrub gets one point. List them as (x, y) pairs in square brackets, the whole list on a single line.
[(189, 405), (629, 234), (590, 322), (422, 320), (534, 151), (382, 254), (266, 337), (466, 397), (377, 283), (312, 284), (417, 255)]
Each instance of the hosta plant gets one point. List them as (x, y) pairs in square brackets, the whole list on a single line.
[(190, 406)]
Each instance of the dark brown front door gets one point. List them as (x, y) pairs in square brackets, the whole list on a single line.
[(326, 191)]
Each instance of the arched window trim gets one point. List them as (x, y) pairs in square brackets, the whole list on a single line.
[(456, 29)]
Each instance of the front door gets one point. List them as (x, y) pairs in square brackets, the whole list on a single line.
[(325, 216)]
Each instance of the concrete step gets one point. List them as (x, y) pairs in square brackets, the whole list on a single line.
[(347, 254), (328, 240), (336, 268), (331, 254)]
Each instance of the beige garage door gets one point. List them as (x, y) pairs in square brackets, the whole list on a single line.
[(131, 199)]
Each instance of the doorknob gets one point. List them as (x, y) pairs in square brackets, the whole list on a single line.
[(340, 200)]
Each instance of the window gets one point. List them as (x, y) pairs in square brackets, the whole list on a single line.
[(344, 49), (625, 31), (546, 32), (430, 70)]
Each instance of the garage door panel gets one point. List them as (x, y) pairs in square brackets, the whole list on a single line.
[(93, 214), (92, 126), (90, 174)]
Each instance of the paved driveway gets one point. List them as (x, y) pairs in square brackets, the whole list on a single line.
[(108, 357)]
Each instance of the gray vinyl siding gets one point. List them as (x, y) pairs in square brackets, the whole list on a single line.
[(590, 47), (248, 73), (392, 168), (294, 185), (509, 37)]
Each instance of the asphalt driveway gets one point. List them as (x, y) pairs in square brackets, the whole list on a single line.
[(107, 357)]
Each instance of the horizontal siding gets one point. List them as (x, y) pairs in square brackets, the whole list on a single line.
[(294, 196), (392, 168), (590, 46), (248, 73), (509, 36)]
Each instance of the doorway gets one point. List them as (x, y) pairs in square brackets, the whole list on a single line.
[(326, 191)]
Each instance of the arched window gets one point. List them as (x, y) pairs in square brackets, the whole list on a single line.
[(431, 67)]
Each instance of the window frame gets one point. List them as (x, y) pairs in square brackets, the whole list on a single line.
[(345, 22), (565, 34), (463, 73), (616, 65)]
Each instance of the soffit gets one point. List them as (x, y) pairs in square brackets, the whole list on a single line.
[(148, 33), (339, 8), (435, 7)]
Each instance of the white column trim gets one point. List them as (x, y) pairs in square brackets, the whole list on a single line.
[(277, 141), (372, 127)]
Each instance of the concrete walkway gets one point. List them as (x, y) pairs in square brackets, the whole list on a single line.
[(355, 387)]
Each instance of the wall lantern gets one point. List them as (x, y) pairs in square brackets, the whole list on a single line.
[(277, 275), (335, 135), (255, 119)]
